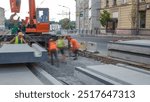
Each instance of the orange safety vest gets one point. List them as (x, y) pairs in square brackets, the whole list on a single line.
[(52, 46), (75, 44)]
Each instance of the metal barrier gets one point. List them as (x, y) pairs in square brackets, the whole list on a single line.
[(83, 46), (92, 47)]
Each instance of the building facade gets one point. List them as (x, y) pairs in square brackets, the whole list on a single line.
[(127, 16), (82, 15), (87, 16), (94, 16), (2, 19), (55, 27)]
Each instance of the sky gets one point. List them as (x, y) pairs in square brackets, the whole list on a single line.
[(56, 10)]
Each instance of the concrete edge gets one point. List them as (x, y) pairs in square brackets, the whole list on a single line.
[(96, 76), (134, 68), (45, 77)]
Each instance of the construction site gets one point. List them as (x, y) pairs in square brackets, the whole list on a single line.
[(102, 60)]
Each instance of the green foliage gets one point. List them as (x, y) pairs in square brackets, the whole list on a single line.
[(67, 24), (64, 23), (105, 16), (72, 25)]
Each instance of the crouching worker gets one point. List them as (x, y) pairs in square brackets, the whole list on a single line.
[(74, 47), (52, 50), (19, 39)]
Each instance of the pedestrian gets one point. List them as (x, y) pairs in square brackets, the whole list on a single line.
[(52, 50), (61, 47), (74, 47), (18, 39)]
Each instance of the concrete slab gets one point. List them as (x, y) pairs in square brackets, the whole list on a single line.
[(91, 78), (136, 42), (134, 50), (129, 48), (17, 75), (22, 53), (111, 74), (130, 57)]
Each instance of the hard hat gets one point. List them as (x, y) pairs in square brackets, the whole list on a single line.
[(20, 34)]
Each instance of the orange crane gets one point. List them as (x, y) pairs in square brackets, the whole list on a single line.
[(38, 20)]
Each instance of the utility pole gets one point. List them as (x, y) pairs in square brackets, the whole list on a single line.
[(79, 23), (69, 15)]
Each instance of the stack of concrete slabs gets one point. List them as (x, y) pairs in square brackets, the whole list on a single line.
[(22, 53), (113, 75), (134, 50)]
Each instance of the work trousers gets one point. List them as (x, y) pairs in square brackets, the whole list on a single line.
[(76, 53), (53, 54)]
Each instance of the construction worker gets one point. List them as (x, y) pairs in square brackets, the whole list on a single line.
[(52, 50), (61, 47), (18, 39), (69, 45), (74, 47)]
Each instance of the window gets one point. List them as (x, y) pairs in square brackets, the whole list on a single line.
[(90, 13), (142, 0), (90, 3), (42, 15), (142, 19), (114, 2), (123, 1), (107, 3)]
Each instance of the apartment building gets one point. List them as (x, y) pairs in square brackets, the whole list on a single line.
[(87, 16), (82, 15), (127, 16), (94, 16), (2, 19)]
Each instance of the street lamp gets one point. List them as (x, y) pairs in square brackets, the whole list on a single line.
[(68, 9), (69, 12)]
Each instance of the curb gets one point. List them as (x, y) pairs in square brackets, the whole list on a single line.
[(44, 76)]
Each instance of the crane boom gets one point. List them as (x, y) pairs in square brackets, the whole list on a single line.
[(32, 11), (15, 5), (38, 20)]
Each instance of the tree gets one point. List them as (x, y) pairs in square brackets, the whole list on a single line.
[(104, 18), (72, 25), (65, 23)]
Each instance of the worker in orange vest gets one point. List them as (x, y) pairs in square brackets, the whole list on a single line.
[(52, 50), (74, 47)]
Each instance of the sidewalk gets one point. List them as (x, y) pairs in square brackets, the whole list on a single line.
[(117, 36)]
